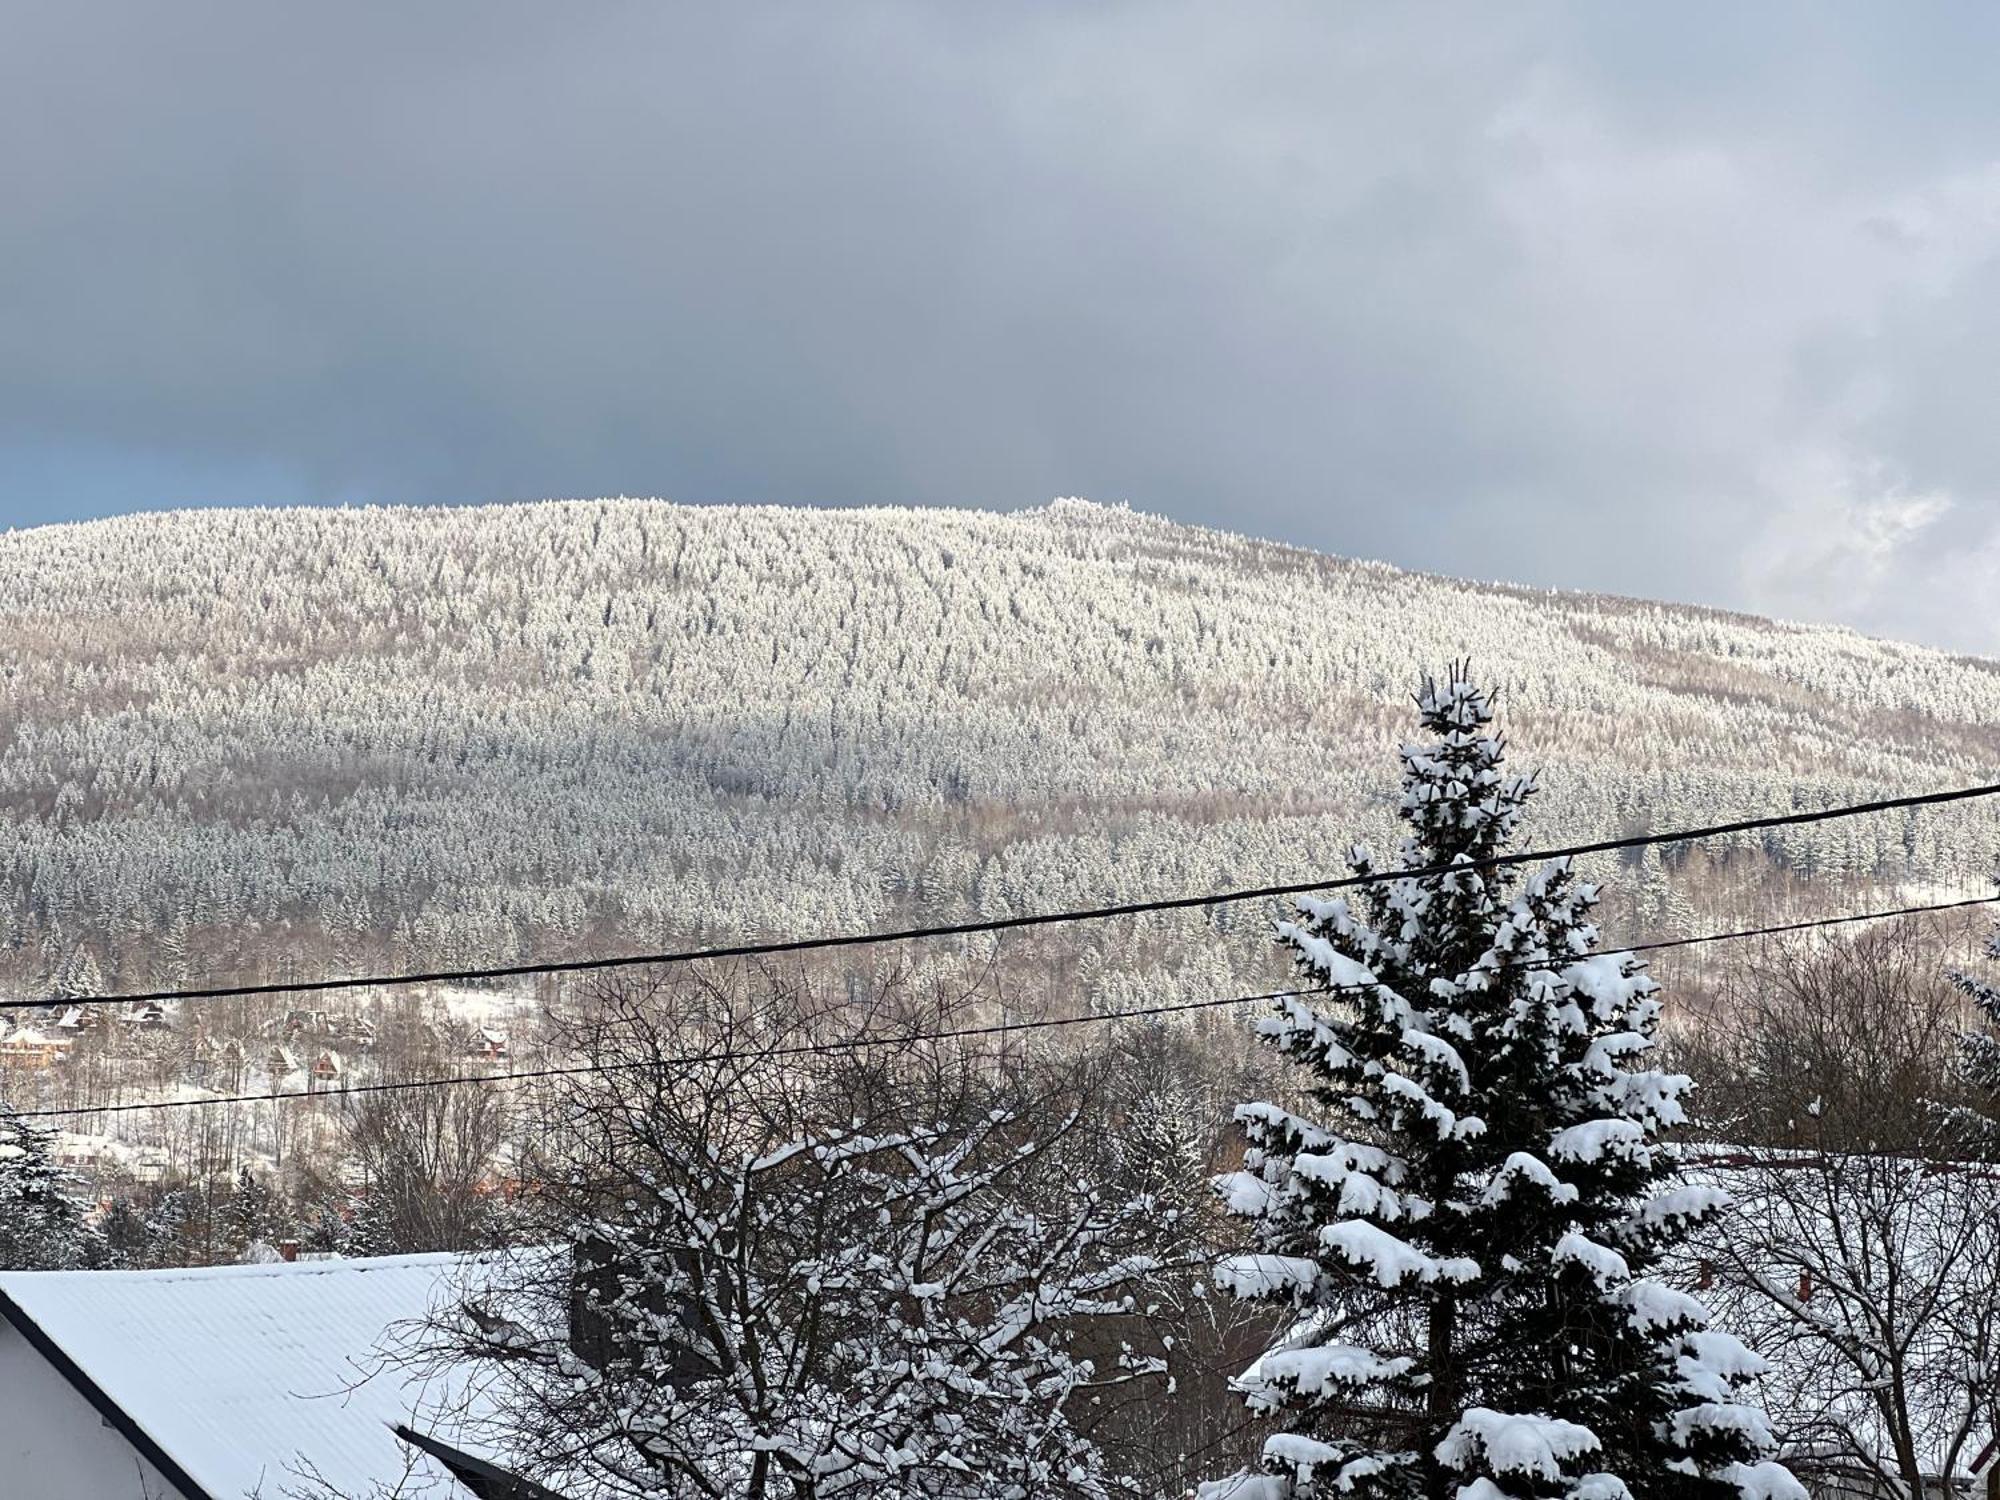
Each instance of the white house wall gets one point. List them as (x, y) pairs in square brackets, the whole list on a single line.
[(54, 1445)]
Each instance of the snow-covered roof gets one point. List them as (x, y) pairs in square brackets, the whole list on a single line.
[(254, 1375)]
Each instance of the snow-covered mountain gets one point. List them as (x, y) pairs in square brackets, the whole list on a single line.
[(236, 740)]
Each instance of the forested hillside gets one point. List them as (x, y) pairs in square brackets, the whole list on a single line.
[(238, 743)]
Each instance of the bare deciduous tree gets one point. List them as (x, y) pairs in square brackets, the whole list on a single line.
[(1872, 1284), (1863, 1258), (871, 1271), (426, 1159)]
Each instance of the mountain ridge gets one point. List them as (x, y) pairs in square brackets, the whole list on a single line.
[(1101, 509), (427, 734)]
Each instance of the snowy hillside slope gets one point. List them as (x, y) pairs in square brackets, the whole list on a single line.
[(416, 736)]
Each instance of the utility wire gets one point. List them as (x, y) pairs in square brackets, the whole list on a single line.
[(1038, 919), (1780, 928), (804, 1049), (1000, 1028)]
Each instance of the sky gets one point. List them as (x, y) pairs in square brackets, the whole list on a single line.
[(1695, 302)]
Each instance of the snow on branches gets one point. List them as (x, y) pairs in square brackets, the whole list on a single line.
[(1462, 1212), (42, 1214), (885, 1272), (1979, 1048)]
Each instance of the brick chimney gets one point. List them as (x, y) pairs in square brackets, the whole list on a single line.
[(288, 1249)]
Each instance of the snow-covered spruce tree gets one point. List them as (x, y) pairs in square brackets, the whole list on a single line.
[(42, 1220), (1464, 1222)]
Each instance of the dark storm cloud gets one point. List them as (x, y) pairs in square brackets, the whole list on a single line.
[(1693, 306)]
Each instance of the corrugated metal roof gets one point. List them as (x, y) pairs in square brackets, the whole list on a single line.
[(256, 1375)]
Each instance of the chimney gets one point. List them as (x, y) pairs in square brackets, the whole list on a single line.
[(288, 1249)]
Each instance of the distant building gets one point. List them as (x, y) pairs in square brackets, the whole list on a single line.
[(485, 1042), (27, 1047), (328, 1068)]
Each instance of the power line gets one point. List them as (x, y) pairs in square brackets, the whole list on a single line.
[(1780, 928), (1037, 919), (962, 1033), (804, 1049)]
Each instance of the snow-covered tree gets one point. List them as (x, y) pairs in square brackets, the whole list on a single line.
[(126, 1237), (442, 753), (43, 1224), (80, 976), (169, 1225), (1463, 1212), (857, 1275), (1872, 1283), (367, 1228), (253, 1209), (325, 1229), (1979, 1048)]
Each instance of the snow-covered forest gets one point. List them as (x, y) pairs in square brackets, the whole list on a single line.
[(243, 744)]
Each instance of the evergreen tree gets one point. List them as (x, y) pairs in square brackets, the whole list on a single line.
[(369, 1228), (1465, 1224), (167, 1226), (127, 1236), (80, 977), (43, 1223), (252, 1208), (325, 1229)]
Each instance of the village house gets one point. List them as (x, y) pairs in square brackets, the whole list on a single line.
[(226, 1381), (153, 1016), (27, 1047), (486, 1043), (327, 1069), (94, 1153)]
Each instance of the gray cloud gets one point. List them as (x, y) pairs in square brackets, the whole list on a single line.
[(1691, 304)]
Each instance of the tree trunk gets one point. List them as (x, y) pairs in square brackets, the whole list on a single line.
[(1441, 1401), (1906, 1448)]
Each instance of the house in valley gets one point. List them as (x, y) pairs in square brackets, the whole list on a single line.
[(77, 1019), (152, 1016), (29, 1047)]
